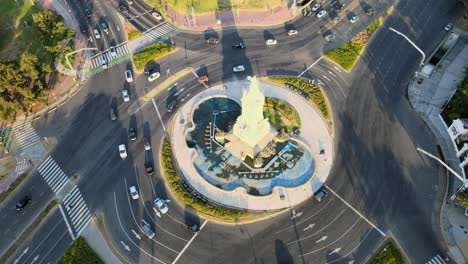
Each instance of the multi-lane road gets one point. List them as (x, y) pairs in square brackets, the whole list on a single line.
[(379, 184)]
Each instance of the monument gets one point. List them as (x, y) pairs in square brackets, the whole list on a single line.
[(252, 131)]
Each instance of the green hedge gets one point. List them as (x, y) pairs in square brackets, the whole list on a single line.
[(457, 107), (134, 34), (190, 201), (80, 252), (278, 111), (151, 53), (311, 89), (390, 254)]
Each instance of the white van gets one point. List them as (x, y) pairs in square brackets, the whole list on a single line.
[(96, 34)]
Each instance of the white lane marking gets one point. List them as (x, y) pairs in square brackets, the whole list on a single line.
[(337, 83), (175, 220), (362, 241), (300, 222), (149, 213), (336, 68), (38, 246), (331, 73), (356, 211), (308, 68), (159, 115), (326, 78), (48, 252), (66, 222), (308, 253), (188, 244), (306, 237), (339, 75), (142, 250)]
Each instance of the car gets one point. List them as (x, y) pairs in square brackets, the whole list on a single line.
[(315, 7), (154, 76), (321, 13), (112, 51), (212, 41), (129, 2), (156, 15), (238, 46), (320, 195), (113, 116), (149, 69), (336, 18), (134, 193), (132, 133), (88, 13), (448, 27), (104, 27), (271, 42), (420, 81), (203, 79), (123, 151), (354, 19), (466, 212), (170, 106), (238, 68), (96, 34), (337, 6), (128, 76), (330, 37), (123, 8), (125, 95), (193, 227), (22, 203), (146, 143), (104, 62), (370, 11), (161, 205), (149, 168), (148, 231), (292, 32)]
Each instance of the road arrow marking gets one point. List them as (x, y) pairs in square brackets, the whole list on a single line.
[(157, 213), (296, 214), (136, 234), (308, 227), (20, 256), (322, 239), (35, 259), (125, 246), (334, 251)]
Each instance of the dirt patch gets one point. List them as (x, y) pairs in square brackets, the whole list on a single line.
[(7, 165)]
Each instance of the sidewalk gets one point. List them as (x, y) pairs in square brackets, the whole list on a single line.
[(96, 241), (428, 99)]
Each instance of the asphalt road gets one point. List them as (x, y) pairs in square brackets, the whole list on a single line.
[(377, 169)]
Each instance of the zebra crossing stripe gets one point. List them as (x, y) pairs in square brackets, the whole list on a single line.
[(53, 174), (43, 164), (69, 195), (83, 225), (436, 260), (74, 199), (77, 209)]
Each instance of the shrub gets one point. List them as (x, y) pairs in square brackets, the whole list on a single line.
[(80, 252), (390, 254), (151, 53)]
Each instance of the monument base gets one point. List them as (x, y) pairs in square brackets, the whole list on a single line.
[(241, 149)]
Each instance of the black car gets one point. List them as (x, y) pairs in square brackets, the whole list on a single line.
[(238, 46), (149, 69), (22, 203), (123, 8), (88, 13), (132, 133), (337, 6), (149, 168), (193, 227)]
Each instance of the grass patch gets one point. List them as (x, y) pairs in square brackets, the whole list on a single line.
[(134, 34), (7, 165), (13, 186), (185, 197), (12, 249), (281, 114), (389, 254), (80, 252), (69, 48), (347, 54), (209, 6), (18, 30), (312, 90), (151, 53)]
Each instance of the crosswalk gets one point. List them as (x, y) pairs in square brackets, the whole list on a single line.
[(22, 166), (159, 31), (436, 260), (24, 134), (96, 61), (53, 174), (77, 212)]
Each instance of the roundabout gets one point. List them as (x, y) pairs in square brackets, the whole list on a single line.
[(222, 167)]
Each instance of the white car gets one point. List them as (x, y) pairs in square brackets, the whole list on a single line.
[(96, 34), (271, 42), (156, 15), (315, 7), (161, 205), (128, 76), (123, 151), (321, 13), (292, 32), (112, 51), (125, 95), (448, 27), (238, 68), (134, 193), (154, 76), (354, 19), (104, 63)]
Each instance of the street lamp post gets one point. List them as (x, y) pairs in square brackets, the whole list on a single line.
[(413, 44), (461, 178)]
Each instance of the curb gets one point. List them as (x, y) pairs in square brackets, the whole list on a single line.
[(155, 91), (106, 238)]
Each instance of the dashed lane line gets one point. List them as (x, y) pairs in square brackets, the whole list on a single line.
[(357, 212), (356, 247)]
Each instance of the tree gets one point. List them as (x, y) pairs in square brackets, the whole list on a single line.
[(28, 65), (462, 197)]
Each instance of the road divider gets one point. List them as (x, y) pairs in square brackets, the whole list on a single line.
[(166, 83)]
